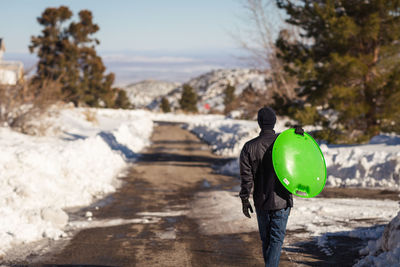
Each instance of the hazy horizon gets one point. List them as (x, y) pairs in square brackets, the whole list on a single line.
[(164, 40), (134, 66)]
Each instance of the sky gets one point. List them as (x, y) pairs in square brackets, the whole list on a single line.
[(133, 25), (140, 39)]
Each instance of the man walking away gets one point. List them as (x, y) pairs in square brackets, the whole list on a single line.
[(272, 201)]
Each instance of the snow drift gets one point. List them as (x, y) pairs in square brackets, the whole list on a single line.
[(40, 176), (386, 250)]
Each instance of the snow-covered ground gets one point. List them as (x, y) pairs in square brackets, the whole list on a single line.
[(82, 152), (79, 158), (142, 94)]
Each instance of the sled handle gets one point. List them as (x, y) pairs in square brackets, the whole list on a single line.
[(302, 190)]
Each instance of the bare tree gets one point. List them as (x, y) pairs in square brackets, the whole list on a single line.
[(21, 103), (263, 24)]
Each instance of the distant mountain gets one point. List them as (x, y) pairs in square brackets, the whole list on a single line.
[(143, 93), (209, 87)]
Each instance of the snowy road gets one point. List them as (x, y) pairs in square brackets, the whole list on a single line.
[(148, 221), (174, 210)]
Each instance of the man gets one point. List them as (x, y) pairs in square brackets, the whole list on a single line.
[(272, 201)]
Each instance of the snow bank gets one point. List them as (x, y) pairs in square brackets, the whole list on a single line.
[(385, 251), (225, 136), (331, 215), (40, 176), (375, 165)]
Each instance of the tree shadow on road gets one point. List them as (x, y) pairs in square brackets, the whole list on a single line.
[(173, 157), (331, 249)]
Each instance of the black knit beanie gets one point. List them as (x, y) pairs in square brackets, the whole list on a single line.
[(266, 118)]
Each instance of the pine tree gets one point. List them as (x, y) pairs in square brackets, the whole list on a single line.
[(165, 106), (122, 100), (347, 64), (52, 45), (188, 101), (229, 97), (67, 54)]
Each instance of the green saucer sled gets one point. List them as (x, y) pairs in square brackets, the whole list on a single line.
[(299, 164)]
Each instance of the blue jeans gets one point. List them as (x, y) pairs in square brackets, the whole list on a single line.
[(272, 228)]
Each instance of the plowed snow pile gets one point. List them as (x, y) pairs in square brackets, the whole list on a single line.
[(76, 161)]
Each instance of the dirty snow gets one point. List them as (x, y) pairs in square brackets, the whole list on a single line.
[(218, 212)]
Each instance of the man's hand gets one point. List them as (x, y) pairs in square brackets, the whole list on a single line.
[(246, 206), (298, 130)]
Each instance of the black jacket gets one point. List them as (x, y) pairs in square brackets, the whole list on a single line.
[(256, 169)]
